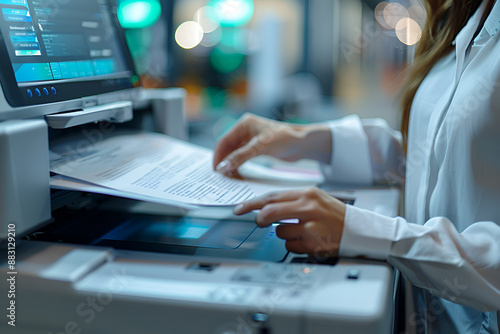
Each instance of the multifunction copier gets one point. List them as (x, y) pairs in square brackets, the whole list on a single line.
[(79, 262)]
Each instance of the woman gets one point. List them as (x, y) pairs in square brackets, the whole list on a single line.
[(448, 246)]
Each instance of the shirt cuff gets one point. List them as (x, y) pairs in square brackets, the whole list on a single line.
[(350, 153), (367, 234)]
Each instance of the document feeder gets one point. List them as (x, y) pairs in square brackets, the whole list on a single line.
[(93, 263)]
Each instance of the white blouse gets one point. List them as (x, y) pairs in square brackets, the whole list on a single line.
[(448, 246)]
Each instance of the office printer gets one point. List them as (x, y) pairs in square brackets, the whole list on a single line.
[(77, 262)]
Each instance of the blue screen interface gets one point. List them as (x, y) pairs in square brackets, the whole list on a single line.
[(61, 40)]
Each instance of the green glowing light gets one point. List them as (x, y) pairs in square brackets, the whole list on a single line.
[(233, 39), (232, 13), (138, 14), (226, 62), (214, 97)]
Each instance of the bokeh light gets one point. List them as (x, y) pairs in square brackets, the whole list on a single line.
[(214, 97), (205, 17), (212, 38), (379, 14), (233, 39), (393, 13), (232, 13), (225, 62), (138, 14), (408, 31), (417, 13), (189, 34)]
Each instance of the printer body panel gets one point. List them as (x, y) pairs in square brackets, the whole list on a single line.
[(101, 290), (24, 175)]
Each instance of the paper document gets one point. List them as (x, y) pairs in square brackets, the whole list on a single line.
[(69, 183), (155, 166)]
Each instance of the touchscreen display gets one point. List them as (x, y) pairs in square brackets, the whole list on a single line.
[(54, 45)]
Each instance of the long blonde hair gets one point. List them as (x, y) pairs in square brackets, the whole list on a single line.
[(445, 18)]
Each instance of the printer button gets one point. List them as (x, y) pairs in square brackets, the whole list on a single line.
[(259, 317), (353, 273)]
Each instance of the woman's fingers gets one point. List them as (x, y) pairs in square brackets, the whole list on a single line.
[(274, 212), (259, 202), (234, 139), (321, 219), (289, 231), (236, 158), (313, 238), (296, 246), (253, 136)]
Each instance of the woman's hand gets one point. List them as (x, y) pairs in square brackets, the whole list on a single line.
[(254, 135), (321, 219)]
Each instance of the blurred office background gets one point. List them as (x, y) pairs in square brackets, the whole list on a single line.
[(294, 60)]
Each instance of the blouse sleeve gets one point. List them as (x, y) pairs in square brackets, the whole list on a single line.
[(364, 152), (461, 267)]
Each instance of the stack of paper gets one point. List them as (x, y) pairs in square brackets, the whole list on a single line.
[(157, 168)]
